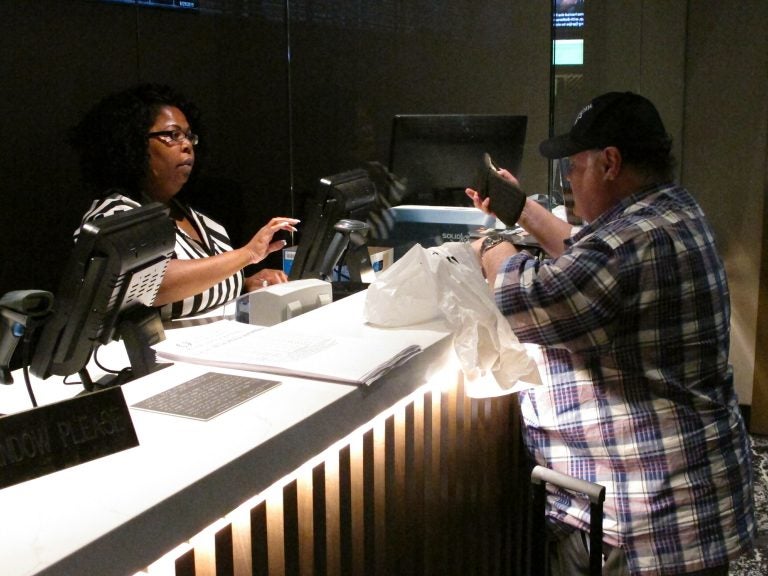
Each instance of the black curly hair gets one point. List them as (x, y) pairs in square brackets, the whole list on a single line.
[(111, 139)]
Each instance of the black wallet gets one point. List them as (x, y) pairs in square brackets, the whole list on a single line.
[(507, 200)]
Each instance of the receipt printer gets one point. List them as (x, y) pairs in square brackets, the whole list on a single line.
[(273, 304)]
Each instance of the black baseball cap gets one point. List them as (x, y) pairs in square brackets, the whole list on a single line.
[(622, 119)]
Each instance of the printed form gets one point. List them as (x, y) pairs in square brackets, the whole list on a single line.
[(277, 350)]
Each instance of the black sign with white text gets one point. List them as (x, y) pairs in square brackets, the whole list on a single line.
[(50, 438)]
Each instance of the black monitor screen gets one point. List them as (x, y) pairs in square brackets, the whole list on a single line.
[(349, 195), (107, 289), (437, 156)]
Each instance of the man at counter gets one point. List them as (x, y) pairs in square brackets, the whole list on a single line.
[(631, 313)]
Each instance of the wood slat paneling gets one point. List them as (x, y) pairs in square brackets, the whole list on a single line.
[(439, 487)]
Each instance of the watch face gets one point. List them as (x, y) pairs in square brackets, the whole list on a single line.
[(490, 242)]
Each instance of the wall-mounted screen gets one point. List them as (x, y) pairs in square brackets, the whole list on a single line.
[(568, 52), (177, 4), (569, 14), (568, 24)]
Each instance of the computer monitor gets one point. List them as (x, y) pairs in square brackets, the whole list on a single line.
[(107, 292), (345, 196), (437, 156)]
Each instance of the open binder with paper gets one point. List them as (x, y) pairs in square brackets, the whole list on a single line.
[(286, 351)]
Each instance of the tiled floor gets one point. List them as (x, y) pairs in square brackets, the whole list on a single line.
[(756, 563)]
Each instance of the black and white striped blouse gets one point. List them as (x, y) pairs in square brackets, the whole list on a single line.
[(214, 241)]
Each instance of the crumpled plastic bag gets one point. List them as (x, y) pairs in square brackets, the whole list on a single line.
[(447, 282)]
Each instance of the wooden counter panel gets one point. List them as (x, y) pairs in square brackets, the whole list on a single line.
[(438, 487)]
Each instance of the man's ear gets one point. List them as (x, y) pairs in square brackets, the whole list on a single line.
[(612, 162)]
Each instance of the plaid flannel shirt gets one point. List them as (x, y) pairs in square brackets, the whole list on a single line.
[(632, 324)]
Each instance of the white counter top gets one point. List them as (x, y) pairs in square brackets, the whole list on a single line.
[(119, 513)]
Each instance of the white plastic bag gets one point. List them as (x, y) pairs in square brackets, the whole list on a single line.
[(404, 293), (447, 282)]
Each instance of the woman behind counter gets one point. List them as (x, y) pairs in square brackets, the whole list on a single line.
[(138, 146)]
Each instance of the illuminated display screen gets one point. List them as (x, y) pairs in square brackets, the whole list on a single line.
[(569, 14), (568, 23), (568, 52), (177, 4)]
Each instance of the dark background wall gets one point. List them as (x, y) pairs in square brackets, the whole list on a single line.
[(290, 90), (355, 63)]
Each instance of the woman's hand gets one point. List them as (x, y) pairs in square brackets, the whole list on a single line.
[(185, 278), (261, 245), (263, 278)]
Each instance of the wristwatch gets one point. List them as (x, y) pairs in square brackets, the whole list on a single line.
[(489, 242)]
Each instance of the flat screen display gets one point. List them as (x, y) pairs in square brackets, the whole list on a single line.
[(568, 23), (349, 195), (177, 4), (568, 52), (569, 14), (436, 156), (107, 292)]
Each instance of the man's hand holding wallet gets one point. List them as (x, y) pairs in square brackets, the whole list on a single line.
[(506, 198)]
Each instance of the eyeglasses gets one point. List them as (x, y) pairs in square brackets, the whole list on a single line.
[(171, 137)]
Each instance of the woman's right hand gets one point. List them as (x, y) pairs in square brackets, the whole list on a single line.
[(262, 244)]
